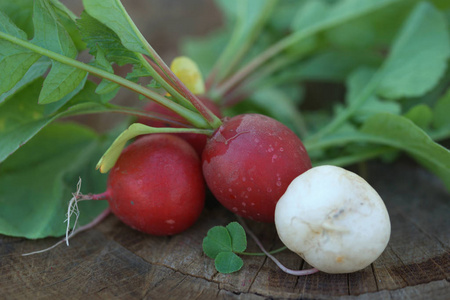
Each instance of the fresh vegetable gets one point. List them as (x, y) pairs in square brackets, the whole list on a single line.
[(395, 74), (249, 162), (333, 219), (198, 141), (156, 185)]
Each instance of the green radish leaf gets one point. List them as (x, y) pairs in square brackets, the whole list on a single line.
[(62, 79), (418, 58), (397, 132), (99, 37), (21, 117), (112, 14), (325, 66), (238, 237), (228, 262), (316, 16), (401, 133), (14, 60), (36, 70), (373, 105), (21, 13), (421, 115), (35, 206), (105, 86), (441, 112), (217, 240), (248, 16)]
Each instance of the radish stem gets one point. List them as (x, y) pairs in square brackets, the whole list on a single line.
[(276, 261)]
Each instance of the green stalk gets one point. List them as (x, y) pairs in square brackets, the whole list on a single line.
[(286, 42), (343, 116), (230, 57), (192, 117), (167, 86), (211, 119)]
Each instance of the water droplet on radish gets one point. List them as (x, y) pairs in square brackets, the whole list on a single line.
[(278, 183)]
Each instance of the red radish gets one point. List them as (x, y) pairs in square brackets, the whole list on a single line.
[(156, 185), (197, 141), (249, 162)]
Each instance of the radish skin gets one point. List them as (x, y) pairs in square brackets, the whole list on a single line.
[(333, 219), (249, 162)]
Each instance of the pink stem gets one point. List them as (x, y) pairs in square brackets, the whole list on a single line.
[(281, 266), (202, 109)]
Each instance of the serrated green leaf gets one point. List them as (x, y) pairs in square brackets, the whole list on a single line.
[(228, 262), (112, 14), (238, 237), (418, 58), (14, 60), (105, 86), (33, 205), (21, 117), (217, 240), (62, 79), (99, 37), (36, 70)]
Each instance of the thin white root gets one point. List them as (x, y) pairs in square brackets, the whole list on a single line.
[(73, 209), (90, 225), (276, 261)]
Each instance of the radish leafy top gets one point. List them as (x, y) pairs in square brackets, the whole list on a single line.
[(392, 56)]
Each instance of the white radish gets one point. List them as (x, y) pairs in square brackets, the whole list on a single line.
[(333, 219)]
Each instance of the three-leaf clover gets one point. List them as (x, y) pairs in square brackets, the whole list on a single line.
[(223, 244)]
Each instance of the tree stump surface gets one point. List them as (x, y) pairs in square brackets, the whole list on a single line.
[(113, 261)]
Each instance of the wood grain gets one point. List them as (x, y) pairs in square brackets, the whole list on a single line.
[(113, 261)]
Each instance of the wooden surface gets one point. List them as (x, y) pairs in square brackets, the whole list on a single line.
[(112, 261)]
